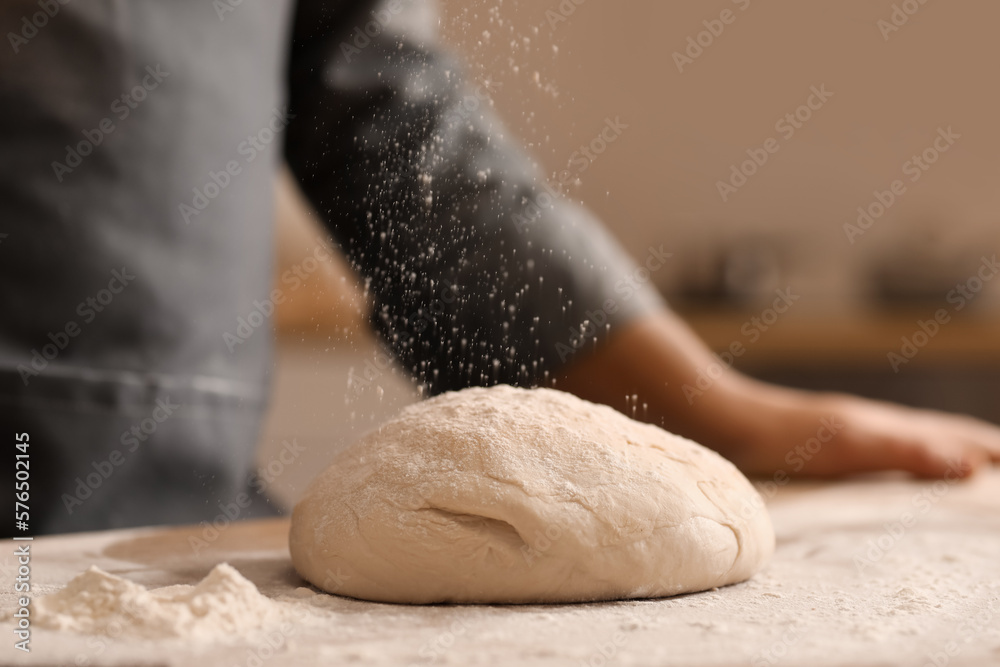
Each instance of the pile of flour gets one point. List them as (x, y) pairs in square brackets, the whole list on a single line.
[(222, 605)]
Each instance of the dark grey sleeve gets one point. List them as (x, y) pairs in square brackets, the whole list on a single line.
[(479, 275)]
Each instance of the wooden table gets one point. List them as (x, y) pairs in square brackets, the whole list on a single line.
[(852, 336)]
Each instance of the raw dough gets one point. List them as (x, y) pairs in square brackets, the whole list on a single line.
[(507, 495)]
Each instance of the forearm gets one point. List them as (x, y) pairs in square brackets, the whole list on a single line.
[(659, 369)]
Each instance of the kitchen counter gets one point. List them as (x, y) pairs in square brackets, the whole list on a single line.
[(873, 571), (858, 337)]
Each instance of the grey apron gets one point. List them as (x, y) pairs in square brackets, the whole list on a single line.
[(139, 143)]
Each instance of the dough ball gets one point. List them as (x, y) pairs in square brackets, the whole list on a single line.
[(507, 495)]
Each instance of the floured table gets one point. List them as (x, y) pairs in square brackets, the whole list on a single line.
[(873, 572)]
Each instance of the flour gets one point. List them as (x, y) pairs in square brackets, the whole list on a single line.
[(222, 605)]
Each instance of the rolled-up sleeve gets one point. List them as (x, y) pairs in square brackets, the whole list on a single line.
[(479, 275)]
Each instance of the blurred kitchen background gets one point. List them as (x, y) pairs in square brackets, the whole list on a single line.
[(557, 70)]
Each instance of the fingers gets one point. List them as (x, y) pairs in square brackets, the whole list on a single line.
[(987, 437), (979, 435), (959, 459), (923, 459), (881, 437), (931, 454)]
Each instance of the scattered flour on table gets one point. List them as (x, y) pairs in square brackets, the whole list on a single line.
[(222, 605)]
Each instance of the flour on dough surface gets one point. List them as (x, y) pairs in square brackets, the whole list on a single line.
[(506, 495)]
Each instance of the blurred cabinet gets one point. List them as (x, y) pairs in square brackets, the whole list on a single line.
[(895, 355)]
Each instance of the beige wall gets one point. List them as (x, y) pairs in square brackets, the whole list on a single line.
[(657, 183)]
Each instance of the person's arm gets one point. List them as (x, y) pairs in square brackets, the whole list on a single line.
[(423, 195), (477, 274), (766, 429)]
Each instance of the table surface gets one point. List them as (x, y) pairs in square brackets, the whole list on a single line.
[(848, 585)]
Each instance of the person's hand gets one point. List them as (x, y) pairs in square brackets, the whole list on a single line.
[(763, 428), (824, 435)]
